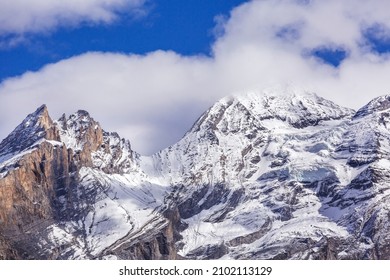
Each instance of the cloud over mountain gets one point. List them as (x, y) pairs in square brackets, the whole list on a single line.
[(155, 97)]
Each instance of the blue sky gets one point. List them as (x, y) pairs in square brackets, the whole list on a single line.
[(186, 27), (148, 68)]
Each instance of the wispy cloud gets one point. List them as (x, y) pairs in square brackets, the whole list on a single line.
[(32, 16), (153, 99)]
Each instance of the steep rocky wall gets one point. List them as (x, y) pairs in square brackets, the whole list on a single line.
[(30, 192), (30, 189), (158, 245), (6, 250)]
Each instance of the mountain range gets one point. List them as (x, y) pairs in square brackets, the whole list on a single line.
[(260, 175)]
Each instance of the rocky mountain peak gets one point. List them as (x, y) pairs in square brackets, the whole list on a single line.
[(95, 147), (81, 119), (41, 112), (379, 104), (40, 118), (80, 129), (35, 127)]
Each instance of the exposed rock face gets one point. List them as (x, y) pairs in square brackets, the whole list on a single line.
[(82, 134), (155, 245), (37, 184), (31, 188), (259, 176), (375, 106), (6, 250), (35, 127)]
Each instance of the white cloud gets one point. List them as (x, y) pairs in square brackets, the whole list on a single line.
[(153, 99), (129, 94), (30, 16), (317, 22)]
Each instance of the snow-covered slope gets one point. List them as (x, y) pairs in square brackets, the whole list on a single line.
[(247, 170), (233, 135), (266, 175)]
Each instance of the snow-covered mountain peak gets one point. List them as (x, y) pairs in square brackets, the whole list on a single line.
[(239, 133), (80, 121), (379, 104), (296, 108), (80, 129), (35, 127), (103, 150), (39, 119)]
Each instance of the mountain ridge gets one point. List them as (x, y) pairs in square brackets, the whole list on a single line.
[(258, 176)]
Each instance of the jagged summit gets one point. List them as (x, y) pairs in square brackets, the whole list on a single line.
[(38, 126), (40, 110), (80, 129), (35, 127), (79, 132), (379, 104), (38, 119), (297, 108)]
